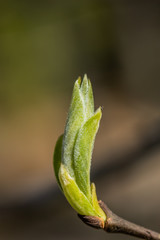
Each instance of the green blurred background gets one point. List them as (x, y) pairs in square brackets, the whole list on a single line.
[(44, 47)]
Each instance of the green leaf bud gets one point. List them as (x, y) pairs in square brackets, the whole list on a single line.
[(73, 151)]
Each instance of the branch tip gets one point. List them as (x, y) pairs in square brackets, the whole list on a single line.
[(116, 224)]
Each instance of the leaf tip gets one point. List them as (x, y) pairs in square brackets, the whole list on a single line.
[(78, 81)]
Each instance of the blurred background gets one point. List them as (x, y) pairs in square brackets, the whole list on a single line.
[(44, 47)]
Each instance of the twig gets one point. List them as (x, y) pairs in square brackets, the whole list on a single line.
[(115, 224)]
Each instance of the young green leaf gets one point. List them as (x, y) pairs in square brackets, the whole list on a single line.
[(95, 203), (57, 157), (83, 152), (74, 195), (74, 121)]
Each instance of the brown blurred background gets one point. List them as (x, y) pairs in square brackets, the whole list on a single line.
[(44, 47)]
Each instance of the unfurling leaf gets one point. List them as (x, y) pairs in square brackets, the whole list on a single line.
[(73, 152)]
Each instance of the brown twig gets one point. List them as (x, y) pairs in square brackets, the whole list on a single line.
[(115, 224)]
